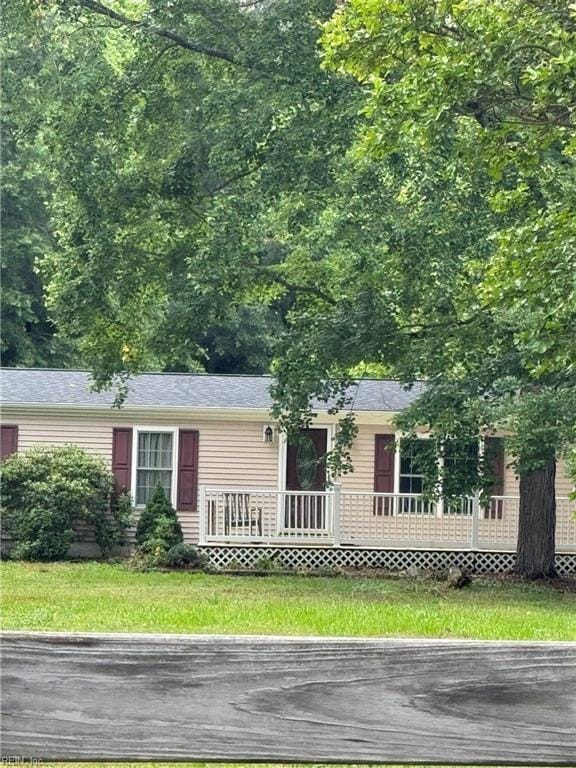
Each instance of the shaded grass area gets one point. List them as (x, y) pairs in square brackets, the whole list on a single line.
[(109, 598)]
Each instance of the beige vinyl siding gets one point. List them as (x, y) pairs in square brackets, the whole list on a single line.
[(92, 435), (362, 453), (564, 485), (510, 479), (231, 453)]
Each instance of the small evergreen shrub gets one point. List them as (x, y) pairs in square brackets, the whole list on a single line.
[(48, 491), (157, 532), (159, 521)]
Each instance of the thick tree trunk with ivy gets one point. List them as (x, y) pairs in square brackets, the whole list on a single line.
[(537, 523)]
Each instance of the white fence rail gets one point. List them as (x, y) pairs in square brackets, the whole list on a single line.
[(335, 517)]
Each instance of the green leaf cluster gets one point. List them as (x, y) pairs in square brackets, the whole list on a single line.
[(29, 335), (487, 86), (48, 492), (187, 145)]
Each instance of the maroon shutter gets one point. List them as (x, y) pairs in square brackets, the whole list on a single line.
[(187, 470), (384, 456), (9, 440), (494, 449), (122, 456)]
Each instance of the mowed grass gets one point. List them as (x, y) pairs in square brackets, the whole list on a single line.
[(99, 597)]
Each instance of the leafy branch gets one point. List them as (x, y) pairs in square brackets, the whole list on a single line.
[(190, 45)]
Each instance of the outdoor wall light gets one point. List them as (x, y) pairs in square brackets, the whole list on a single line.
[(268, 434)]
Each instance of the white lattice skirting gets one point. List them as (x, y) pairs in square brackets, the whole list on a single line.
[(388, 559)]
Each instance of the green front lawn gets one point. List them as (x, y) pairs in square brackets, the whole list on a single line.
[(108, 598)]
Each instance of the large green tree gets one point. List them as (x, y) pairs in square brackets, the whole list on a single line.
[(187, 144), (496, 78), (28, 335), (479, 295)]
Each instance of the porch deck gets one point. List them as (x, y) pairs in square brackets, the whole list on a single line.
[(366, 519)]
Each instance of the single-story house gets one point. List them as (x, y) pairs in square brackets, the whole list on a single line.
[(239, 487)]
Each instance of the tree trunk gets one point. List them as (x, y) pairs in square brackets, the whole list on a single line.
[(536, 548)]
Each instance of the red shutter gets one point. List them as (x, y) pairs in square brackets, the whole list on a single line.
[(187, 470), (494, 449), (384, 459), (9, 440), (122, 456)]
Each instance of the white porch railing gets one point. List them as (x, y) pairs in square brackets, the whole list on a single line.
[(336, 517), (267, 516)]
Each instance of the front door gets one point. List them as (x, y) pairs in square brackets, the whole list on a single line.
[(305, 473)]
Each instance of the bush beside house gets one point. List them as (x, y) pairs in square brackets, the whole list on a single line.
[(159, 520), (160, 539), (48, 492)]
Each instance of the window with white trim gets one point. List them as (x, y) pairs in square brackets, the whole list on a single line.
[(455, 467), (154, 464), (411, 473), (411, 477)]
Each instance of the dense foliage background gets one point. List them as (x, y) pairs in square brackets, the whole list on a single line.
[(167, 156)]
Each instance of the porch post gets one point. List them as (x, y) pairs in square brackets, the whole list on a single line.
[(336, 506), (475, 520), (202, 513)]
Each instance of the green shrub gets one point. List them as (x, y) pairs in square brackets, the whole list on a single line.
[(169, 531), (159, 521), (268, 563), (121, 513), (48, 491), (185, 556)]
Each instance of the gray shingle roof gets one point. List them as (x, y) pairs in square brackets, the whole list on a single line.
[(178, 390)]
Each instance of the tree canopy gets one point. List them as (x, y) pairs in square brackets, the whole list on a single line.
[(185, 145), (497, 80), (470, 124), (28, 335), (211, 197)]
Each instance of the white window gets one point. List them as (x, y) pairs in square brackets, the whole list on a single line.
[(154, 463), (411, 473), (411, 458), (411, 477)]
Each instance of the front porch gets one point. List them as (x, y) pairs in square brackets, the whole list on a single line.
[(337, 518)]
